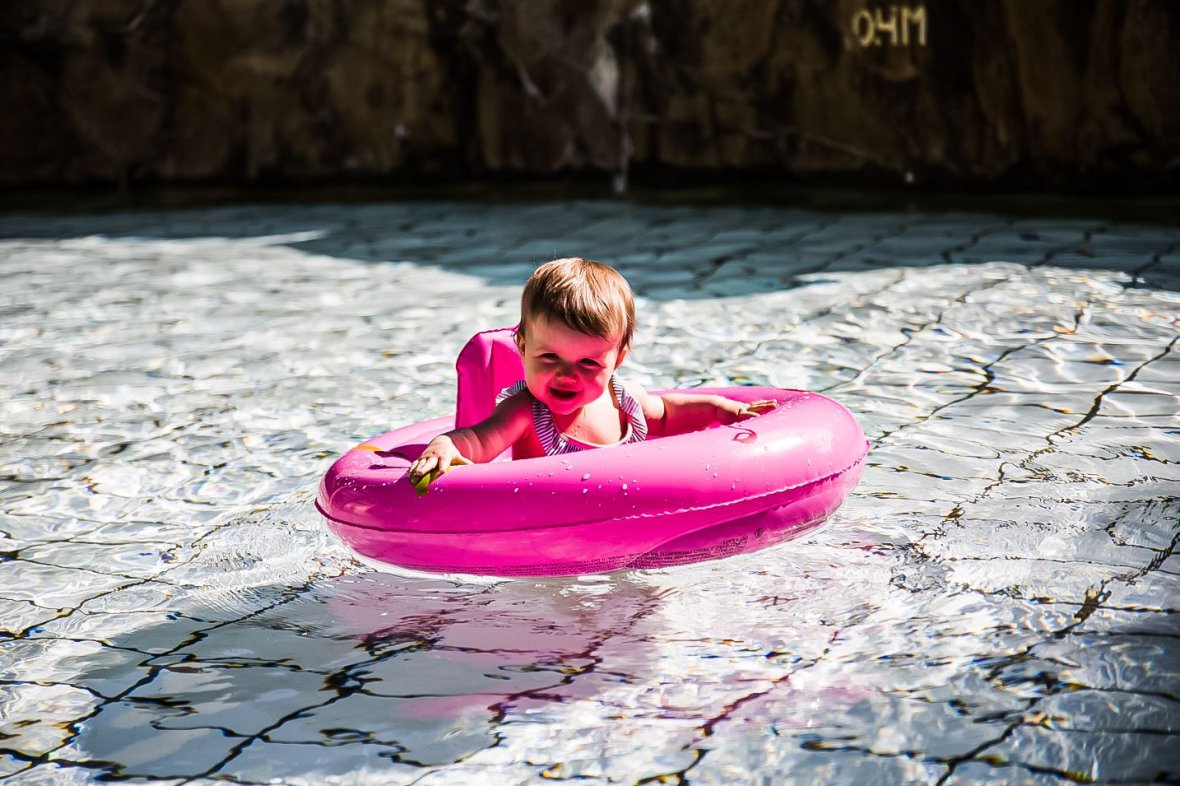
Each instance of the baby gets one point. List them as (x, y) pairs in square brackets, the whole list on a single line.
[(577, 318)]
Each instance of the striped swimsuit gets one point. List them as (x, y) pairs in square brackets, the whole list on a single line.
[(555, 443)]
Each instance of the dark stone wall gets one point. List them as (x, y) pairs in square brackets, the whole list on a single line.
[(1043, 93)]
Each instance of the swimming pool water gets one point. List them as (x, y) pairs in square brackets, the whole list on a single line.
[(997, 601)]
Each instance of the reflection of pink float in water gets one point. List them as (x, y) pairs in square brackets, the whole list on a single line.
[(687, 498), (448, 660)]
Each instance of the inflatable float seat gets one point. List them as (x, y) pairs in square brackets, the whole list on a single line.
[(487, 364)]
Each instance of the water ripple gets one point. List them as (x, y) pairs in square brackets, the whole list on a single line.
[(996, 602)]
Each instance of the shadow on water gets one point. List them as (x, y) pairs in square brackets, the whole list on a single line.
[(368, 671), (695, 244), (381, 678)]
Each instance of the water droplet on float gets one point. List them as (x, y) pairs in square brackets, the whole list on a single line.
[(585, 491), (624, 487), (586, 476)]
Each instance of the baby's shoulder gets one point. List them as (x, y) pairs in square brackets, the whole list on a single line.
[(650, 404), (511, 418), (635, 391), (517, 401)]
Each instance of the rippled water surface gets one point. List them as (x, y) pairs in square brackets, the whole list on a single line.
[(996, 603)]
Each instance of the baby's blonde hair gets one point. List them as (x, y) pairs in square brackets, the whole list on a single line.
[(585, 295)]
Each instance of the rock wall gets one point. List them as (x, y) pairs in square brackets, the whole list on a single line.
[(1048, 93)]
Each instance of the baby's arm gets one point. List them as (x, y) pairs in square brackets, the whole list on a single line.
[(680, 413), (479, 443)]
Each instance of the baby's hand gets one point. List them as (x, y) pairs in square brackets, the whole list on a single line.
[(440, 454), (730, 411)]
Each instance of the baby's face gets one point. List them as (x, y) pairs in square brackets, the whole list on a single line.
[(566, 370)]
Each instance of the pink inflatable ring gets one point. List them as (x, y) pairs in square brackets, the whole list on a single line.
[(669, 501)]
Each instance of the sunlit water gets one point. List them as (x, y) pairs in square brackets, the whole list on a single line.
[(996, 603)]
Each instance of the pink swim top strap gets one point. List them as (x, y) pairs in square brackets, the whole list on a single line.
[(552, 441)]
